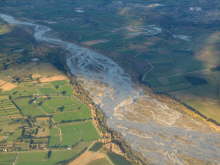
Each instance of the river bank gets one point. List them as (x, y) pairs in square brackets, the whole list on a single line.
[(153, 127), (112, 140)]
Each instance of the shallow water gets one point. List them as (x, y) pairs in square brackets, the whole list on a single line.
[(162, 134)]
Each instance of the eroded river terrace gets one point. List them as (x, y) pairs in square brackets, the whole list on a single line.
[(159, 132)]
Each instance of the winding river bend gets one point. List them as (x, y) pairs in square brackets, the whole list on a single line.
[(160, 133)]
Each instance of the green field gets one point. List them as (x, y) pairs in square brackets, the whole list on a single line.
[(162, 62), (74, 133), (43, 157), (40, 123), (37, 116), (47, 128), (7, 159), (55, 139)]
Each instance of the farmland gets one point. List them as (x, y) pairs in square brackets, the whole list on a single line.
[(44, 123), (37, 117), (172, 47), (172, 57), (41, 121), (43, 116)]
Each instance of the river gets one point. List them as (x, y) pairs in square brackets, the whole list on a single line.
[(150, 126)]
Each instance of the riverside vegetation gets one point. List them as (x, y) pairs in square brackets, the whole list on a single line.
[(159, 56), (41, 120), (171, 53)]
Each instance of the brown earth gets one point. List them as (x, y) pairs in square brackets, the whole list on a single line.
[(7, 86), (53, 78), (87, 157)]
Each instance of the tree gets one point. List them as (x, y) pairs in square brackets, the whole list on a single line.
[(63, 92), (61, 108), (40, 103), (49, 154)]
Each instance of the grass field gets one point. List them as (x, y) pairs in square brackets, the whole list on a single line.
[(43, 157), (46, 127), (10, 118), (7, 159), (37, 117), (41, 115), (162, 61), (55, 139), (191, 80), (74, 133), (71, 116), (62, 108), (27, 108), (56, 127), (37, 100), (4, 29)]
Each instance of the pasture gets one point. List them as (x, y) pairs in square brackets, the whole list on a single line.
[(41, 121), (77, 132), (44, 121), (49, 157), (170, 61)]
